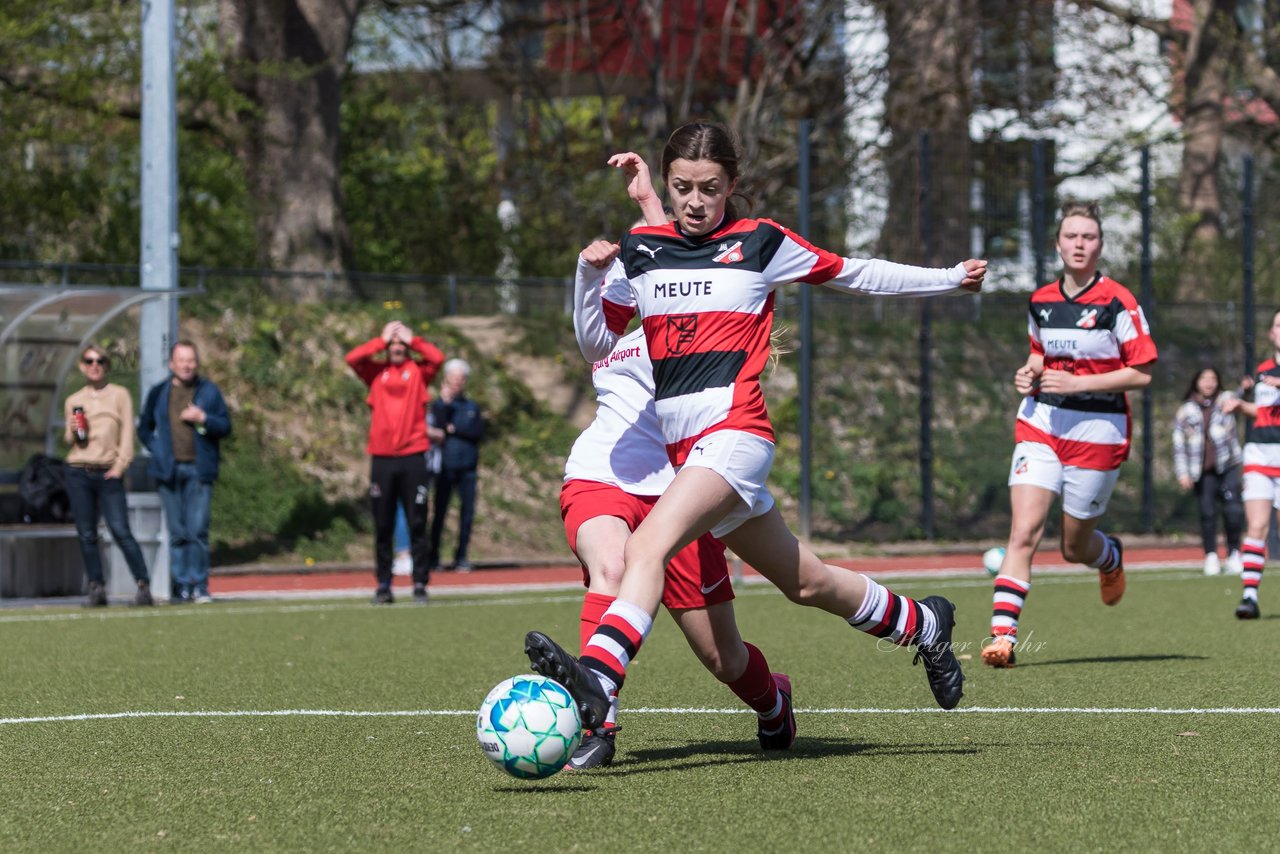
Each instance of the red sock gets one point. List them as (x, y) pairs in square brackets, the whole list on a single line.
[(593, 608), (757, 688)]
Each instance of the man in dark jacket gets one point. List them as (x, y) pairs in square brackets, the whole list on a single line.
[(455, 423), (181, 423)]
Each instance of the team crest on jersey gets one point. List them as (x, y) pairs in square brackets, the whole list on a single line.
[(729, 254), (680, 331), (1088, 320), (1020, 465)]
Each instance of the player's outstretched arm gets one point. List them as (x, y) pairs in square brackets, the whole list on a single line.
[(640, 186), (590, 322)]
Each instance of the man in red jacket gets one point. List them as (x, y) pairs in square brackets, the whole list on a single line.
[(398, 444)]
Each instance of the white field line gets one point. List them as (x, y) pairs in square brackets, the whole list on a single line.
[(459, 713), (265, 602)]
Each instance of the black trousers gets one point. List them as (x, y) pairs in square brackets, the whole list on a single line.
[(1213, 489), (404, 481), (447, 481)]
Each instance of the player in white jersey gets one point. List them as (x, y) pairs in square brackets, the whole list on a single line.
[(707, 356), (1089, 345), (1261, 471), (617, 469)]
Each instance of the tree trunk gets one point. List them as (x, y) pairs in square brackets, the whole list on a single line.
[(930, 65), (288, 58), (1203, 125)]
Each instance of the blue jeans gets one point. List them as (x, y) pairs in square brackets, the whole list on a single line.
[(186, 511), (92, 493)]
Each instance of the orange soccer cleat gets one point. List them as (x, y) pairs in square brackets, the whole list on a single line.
[(1111, 584), (999, 653)]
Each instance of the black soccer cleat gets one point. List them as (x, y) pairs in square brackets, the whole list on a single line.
[(382, 596), (1247, 609), (549, 659), (946, 679), (784, 736), (595, 750)]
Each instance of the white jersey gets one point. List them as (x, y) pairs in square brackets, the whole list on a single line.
[(623, 446)]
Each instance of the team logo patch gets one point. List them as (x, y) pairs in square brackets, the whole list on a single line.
[(681, 328), (1088, 320), (1020, 465), (729, 254)]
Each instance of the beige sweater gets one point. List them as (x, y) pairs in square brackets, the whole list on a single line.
[(111, 432)]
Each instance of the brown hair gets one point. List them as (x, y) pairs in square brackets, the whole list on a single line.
[(184, 342), (705, 141), (1074, 207)]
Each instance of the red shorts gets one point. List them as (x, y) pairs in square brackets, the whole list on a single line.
[(696, 577)]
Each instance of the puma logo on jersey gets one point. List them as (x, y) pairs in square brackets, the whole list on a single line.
[(640, 247), (729, 254), (1044, 315), (1089, 319)]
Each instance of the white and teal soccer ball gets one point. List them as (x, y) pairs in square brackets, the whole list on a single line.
[(992, 558), (529, 726)]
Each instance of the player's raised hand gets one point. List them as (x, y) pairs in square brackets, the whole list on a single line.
[(389, 330), (976, 272), (640, 186), (601, 253)]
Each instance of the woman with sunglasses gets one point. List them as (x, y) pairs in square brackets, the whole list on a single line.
[(99, 419)]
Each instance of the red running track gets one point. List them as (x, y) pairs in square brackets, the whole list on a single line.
[(955, 563)]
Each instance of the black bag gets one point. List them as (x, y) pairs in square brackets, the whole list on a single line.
[(43, 491)]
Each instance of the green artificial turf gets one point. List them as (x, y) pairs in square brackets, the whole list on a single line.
[(683, 780)]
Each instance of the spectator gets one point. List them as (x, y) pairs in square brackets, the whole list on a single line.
[(183, 421), (1207, 461), (100, 432), (397, 446), (457, 424)]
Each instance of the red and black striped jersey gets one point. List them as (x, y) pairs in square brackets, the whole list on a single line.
[(1262, 451), (1097, 331), (706, 305)]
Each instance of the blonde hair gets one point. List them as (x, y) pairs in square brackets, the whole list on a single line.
[(778, 345), (100, 352)]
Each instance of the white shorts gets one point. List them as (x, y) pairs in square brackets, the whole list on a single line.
[(1258, 486), (1085, 492), (744, 460)]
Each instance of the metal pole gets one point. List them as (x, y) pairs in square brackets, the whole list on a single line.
[(926, 350), (1246, 265), (806, 349), (159, 190), (1038, 202), (1149, 307)]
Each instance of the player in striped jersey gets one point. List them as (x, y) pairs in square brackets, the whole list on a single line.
[(617, 469), (1261, 470), (703, 287), (1089, 345)]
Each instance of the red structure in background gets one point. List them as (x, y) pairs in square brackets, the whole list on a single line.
[(705, 41), (1182, 19)]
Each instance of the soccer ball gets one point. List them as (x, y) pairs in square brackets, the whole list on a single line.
[(529, 726), (992, 558)]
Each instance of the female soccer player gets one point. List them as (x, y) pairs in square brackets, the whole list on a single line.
[(1089, 345), (617, 469), (703, 287), (1261, 470)]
